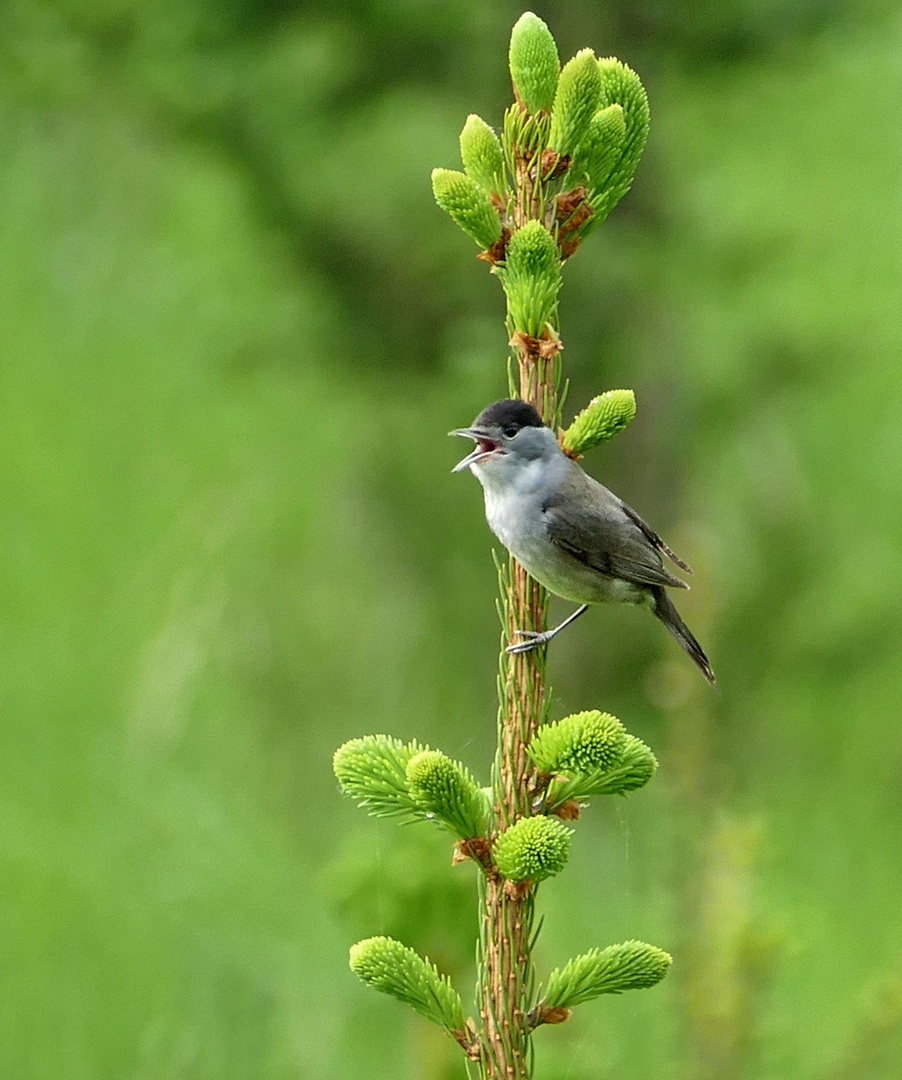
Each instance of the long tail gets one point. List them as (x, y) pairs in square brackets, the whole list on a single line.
[(669, 616)]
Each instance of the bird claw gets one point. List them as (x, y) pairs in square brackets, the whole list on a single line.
[(522, 647), (534, 638)]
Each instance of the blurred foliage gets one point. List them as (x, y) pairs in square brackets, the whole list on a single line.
[(235, 330)]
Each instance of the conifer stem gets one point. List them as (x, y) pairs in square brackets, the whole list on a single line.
[(508, 975)]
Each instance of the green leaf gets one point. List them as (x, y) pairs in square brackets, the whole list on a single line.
[(620, 85), (531, 276), (534, 62), (392, 968), (444, 789), (533, 849), (604, 417), (599, 150), (635, 768), (373, 770), (575, 102), (480, 152), (462, 198), (582, 743), (632, 965)]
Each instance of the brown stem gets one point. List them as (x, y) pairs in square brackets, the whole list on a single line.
[(508, 975), (508, 971), (504, 993), (509, 914)]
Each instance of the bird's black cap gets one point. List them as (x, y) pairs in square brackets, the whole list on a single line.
[(508, 414)]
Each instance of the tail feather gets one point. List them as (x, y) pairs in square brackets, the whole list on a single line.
[(669, 616)]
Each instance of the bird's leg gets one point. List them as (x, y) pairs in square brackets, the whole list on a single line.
[(535, 638)]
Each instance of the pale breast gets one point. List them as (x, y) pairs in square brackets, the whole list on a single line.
[(519, 525)]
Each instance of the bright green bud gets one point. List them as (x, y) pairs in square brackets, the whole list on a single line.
[(632, 965), (373, 770), (621, 86), (534, 62), (533, 849), (531, 276), (391, 968), (582, 743), (575, 103), (603, 418), (532, 252), (470, 207), (444, 789), (480, 151), (599, 150), (637, 765)]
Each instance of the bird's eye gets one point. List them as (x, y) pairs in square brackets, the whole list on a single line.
[(510, 432)]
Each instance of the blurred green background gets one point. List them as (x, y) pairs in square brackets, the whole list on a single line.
[(234, 331)]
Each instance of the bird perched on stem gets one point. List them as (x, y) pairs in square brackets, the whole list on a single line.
[(570, 533)]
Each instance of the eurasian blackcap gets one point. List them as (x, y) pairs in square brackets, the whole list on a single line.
[(571, 534)]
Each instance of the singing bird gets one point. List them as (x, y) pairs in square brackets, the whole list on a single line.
[(569, 532)]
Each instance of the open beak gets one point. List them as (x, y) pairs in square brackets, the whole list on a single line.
[(485, 446)]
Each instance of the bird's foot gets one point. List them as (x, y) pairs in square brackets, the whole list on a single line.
[(534, 638)]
